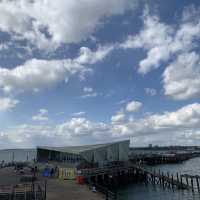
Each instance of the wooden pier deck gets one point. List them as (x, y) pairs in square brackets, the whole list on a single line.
[(133, 173)]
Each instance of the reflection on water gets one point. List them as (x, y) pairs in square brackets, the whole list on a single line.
[(150, 192), (142, 192)]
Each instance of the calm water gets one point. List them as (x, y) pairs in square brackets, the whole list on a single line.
[(17, 155), (142, 192)]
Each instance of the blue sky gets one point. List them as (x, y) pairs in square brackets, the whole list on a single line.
[(91, 72)]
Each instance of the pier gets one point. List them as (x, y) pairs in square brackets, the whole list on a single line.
[(112, 177)]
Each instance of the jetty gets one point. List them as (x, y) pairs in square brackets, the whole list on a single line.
[(113, 176)]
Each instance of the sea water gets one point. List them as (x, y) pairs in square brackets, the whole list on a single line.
[(142, 192)]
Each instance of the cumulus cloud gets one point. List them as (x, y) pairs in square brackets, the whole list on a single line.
[(154, 38), (62, 22), (166, 43), (183, 120), (133, 106), (70, 132), (7, 104), (82, 127), (119, 117), (181, 126), (37, 74), (41, 116), (182, 77), (87, 56)]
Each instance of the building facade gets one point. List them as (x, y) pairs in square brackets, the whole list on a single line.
[(100, 153)]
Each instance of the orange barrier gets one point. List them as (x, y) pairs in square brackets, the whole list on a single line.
[(80, 180)]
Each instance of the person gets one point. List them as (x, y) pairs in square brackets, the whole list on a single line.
[(93, 189), (2, 164), (36, 169), (52, 171)]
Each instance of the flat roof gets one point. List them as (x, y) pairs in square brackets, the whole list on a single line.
[(79, 149)]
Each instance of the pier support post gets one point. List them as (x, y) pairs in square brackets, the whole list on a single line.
[(192, 184), (197, 180), (177, 177), (172, 182), (181, 181), (168, 179), (187, 181)]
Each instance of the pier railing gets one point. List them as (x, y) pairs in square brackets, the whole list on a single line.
[(32, 191)]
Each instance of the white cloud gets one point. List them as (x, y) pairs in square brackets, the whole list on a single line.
[(133, 106), (87, 56), (119, 117), (89, 92), (62, 21), (165, 43), (161, 41), (89, 95), (81, 127), (41, 116), (150, 91), (87, 89), (182, 77), (168, 124), (155, 38), (181, 126), (78, 114), (35, 74), (7, 104)]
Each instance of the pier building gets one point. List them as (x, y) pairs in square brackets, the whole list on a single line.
[(98, 153)]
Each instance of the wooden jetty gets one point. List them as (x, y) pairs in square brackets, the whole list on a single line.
[(32, 191), (112, 177)]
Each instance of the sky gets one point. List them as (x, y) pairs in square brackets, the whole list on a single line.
[(90, 71)]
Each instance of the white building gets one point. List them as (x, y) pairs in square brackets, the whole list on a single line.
[(99, 153)]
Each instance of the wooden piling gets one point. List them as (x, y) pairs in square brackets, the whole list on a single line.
[(181, 181), (192, 184), (187, 181), (154, 176), (163, 182), (168, 179), (197, 180), (177, 177), (172, 182)]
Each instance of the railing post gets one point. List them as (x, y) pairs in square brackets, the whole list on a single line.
[(45, 190)]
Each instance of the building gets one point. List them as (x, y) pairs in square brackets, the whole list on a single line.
[(99, 153)]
